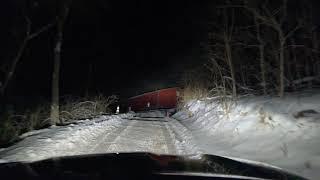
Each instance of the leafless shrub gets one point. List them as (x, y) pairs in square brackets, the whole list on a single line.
[(195, 86), (14, 124), (8, 132), (192, 92), (223, 97), (86, 108), (30, 119)]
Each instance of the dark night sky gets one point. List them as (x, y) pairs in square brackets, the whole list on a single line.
[(131, 46)]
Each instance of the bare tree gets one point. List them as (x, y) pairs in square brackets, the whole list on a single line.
[(312, 45), (283, 41), (261, 55), (61, 19), (28, 36), (223, 38), (277, 21)]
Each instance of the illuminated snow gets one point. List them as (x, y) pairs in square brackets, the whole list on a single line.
[(256, 129), (107, 134), (262, 129)]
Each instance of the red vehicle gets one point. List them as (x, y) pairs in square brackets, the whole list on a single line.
[(160, 99)]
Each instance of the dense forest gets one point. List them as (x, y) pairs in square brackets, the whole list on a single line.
[(259, 47)]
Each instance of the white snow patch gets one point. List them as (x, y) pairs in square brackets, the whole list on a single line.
[(183, 140), (60, 141), (282, 132)]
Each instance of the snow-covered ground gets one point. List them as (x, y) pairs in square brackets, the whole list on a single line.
[(281, 132), (107, 134)]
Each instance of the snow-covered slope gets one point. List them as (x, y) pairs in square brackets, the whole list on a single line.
[(60, 141), (282, 132)]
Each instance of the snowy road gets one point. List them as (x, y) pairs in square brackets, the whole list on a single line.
[(185, 136), (108, 134), (135, 136)]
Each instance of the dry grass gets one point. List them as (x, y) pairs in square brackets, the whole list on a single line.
[(13, 124), (196, 82), (193, 92), (86, 108), (8, 132), (224, 98)]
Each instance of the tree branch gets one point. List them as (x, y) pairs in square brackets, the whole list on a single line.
[(41, 30), (292, 31), (19, 54)]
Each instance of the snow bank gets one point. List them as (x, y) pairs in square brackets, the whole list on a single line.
[(183, 140), (55, 141), (282, 132)]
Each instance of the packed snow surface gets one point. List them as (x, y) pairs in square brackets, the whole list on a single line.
[(107, 134), (282, 132)]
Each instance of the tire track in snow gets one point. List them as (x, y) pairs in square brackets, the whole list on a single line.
[(171, 149), (143, 136), (103, 143), (184, 140), (114, 146)]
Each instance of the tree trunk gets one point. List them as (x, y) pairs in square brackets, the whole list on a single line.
[(281, 64), (230, 63), (244, 76), (263, 69), (311, 64), (261, 58), (55, 79), (315, 46), (296, 63), (307, 68), (61, 18)]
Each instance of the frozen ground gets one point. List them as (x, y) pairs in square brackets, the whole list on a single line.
[(281, 132), (107, 134)]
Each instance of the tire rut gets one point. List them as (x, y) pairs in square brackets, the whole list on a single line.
[(168, 139), (103, 143)]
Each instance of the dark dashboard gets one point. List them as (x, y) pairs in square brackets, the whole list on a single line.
[(140, 166)]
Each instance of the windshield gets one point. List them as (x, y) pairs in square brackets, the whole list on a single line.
[(237, 79)]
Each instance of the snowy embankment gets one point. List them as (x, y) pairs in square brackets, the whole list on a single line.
[(55, 141), (281, 132)]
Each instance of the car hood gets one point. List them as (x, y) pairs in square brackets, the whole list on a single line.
[(142, 163)]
